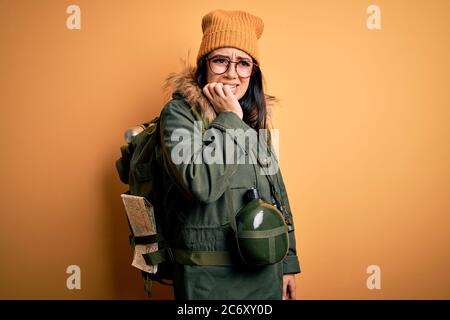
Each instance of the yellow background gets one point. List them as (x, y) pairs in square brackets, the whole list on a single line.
[(364, 139)]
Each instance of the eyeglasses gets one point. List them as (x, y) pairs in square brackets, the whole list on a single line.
[(220, 64)]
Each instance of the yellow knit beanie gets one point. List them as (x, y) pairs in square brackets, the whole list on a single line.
[(237, 29)]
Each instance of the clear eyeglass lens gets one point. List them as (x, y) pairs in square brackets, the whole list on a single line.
[(220, 65)]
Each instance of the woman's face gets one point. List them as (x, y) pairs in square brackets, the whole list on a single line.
[(238, 84)]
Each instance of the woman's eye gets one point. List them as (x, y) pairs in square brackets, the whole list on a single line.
[(219, 60), (245, 63)]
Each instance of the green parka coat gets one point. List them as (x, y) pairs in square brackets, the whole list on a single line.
[(197, 204)]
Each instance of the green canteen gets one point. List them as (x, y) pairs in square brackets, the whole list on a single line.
[(262, 233)]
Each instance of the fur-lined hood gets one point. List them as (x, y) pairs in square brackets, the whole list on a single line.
[(184, 82)]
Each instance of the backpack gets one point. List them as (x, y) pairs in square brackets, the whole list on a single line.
[(140, 166)]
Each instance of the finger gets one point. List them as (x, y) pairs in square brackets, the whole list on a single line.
[(284, 289), (227, 91), (291, 288), (218, 88), (207, 92), (293, 292), (211, 89)]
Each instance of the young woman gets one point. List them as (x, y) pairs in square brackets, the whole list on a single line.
[(223, 92)]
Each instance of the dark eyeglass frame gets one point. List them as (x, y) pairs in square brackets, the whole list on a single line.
[(229, 63)]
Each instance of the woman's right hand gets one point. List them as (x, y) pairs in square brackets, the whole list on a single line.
[(222, 99)]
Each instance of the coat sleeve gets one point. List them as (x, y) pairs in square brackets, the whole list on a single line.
[(197, 179), (290, 263)]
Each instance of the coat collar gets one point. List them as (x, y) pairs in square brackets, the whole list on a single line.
[(184, 83)]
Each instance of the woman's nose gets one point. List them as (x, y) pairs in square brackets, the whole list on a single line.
[(231, 72)]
